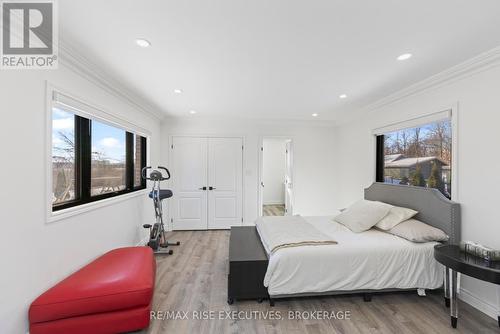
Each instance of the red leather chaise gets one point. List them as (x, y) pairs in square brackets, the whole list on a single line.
[(112, 294)]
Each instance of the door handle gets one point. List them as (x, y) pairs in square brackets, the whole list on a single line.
[(203, 188), (211, 188)]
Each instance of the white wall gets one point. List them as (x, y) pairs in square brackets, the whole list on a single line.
[(273, 170), (478, 160), (35, 254), (331, 168), (313, 167)]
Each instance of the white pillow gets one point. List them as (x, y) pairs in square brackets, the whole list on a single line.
[(417, 231), (363, 215), (396, 215)]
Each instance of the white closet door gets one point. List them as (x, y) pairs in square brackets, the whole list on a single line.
[(189, 174), (225, 164)]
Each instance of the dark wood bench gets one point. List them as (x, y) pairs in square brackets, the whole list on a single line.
[(247, 265)]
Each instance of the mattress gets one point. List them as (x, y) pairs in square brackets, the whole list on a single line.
[(371, 260)]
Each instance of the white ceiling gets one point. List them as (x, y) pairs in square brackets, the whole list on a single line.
[(276, 58)]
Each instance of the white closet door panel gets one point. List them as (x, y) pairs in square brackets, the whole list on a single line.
[(189, 174), (225, 164)]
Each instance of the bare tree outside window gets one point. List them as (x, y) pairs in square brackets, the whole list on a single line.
[(92, 159), (420, 156), (108, 159), (63, 156)]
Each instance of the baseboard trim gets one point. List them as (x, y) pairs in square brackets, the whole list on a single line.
[(476, 302)]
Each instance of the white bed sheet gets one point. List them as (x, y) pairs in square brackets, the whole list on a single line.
[(372, 260)]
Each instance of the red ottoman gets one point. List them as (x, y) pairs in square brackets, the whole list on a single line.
[(112, 294)]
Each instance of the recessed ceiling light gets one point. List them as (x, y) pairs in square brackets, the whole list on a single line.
[(404, 56), (314, 115), (143, 43), (178, 91), (342, 96), (192, 112)]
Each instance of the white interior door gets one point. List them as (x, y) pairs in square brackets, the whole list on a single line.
[(189, 176), (225, 181), (289, 179)]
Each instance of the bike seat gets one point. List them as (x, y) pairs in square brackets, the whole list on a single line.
[(164, 193)]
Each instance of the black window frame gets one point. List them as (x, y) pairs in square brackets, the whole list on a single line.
[(380, 157), (83, 162)]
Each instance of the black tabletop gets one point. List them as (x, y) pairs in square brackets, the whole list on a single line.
[(451, 256)]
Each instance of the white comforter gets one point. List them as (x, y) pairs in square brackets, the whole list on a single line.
[(368, 260)]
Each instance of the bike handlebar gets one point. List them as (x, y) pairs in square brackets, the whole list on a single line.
[(144, 170), (166, 170)]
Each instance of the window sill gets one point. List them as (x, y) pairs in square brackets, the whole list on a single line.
[(80, 209)]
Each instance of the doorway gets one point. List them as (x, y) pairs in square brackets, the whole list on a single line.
[(207, 182), (276, 177)]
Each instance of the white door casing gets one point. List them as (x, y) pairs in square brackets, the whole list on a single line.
[(289, 179), (225, 164), (189, 174)]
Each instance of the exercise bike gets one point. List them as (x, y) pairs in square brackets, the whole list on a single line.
[(157, 239)]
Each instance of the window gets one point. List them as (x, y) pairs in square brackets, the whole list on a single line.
[(108, 172), (63, 157), (93, 160), (418, 156), (139, 158)]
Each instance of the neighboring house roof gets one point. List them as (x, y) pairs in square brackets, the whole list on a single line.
[(392, 157), (411, 162)]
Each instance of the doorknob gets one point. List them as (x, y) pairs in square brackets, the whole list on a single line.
[(211, 188), (203, 188)]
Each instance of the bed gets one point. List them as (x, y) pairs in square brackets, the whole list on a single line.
[(367, 262)]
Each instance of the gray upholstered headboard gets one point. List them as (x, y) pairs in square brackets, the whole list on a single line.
[(433, 208)]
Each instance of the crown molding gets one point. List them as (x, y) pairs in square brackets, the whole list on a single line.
[(76, 62), (482, 62), (250, 120)]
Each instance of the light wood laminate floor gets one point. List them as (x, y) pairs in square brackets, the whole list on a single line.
[(194, 278), (273, 210)]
